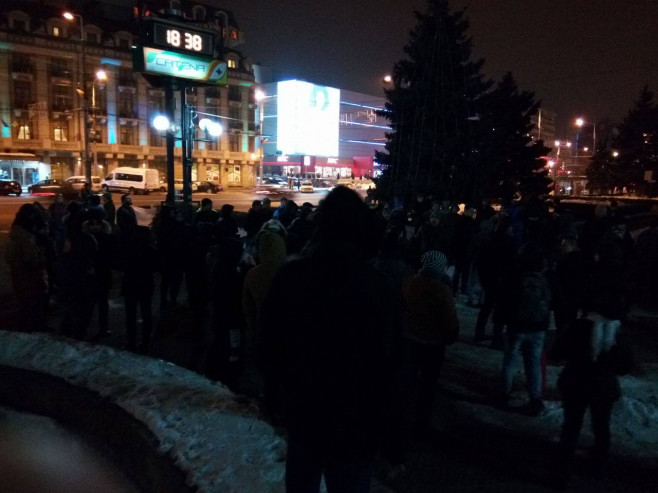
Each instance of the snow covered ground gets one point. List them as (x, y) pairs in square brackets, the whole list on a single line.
[(634, 421), (218, 439), (214, 436)]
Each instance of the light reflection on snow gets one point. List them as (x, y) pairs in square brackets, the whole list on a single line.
[(214, 436)]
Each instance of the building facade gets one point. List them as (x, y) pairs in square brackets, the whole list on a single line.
[(320, 131), (42, 90)]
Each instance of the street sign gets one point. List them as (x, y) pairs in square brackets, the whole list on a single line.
[(173, 64)]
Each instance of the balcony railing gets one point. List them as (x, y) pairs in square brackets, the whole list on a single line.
[(130, 149), (98, 147), (65, 145), (26, 143)]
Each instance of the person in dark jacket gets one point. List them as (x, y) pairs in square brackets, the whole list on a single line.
[(56, 214), (254, 220), (433, 235), (206, 214), (336, 374), (527, 301), (570, 274), (110, 209), (225, 353), (226, 220), (266, 212), (301, 229), (493, 262), (28, 266), (137, 288), (172, 235), (465, 227), (595, 352), (103, 258), (126, 218)]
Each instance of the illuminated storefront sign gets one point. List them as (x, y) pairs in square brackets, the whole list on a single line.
[(161, 62)]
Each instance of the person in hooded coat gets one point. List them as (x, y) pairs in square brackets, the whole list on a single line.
[(29, 271), (271, 253), (335, 372)]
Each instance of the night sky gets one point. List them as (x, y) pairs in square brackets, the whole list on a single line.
[(585, 58)]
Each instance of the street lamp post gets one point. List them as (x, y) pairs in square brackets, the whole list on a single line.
[(579, 123), (85, 106)]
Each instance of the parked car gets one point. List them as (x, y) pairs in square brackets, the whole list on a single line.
[(364, 184), (78, 182), (10, 187), (320, 183), (346, 182), (306, 186), (53, 187), (209, 187), (178, 186)]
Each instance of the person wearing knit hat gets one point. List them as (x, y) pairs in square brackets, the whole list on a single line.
[(430, 325), (434, 265)]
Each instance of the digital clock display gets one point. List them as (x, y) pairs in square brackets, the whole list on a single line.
[(184, 39)]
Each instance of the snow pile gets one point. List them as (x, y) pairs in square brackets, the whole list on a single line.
[(215, 436)]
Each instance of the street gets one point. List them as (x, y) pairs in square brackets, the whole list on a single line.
[(240, 199)]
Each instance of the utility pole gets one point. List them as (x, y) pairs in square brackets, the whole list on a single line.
[(187, 142), (169, 109)]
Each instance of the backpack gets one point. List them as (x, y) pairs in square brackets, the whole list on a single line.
[(533, 302)]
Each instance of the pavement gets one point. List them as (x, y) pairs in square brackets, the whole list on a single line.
[(462, 454)]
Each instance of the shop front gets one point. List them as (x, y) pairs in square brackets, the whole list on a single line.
[(283, 165), (25, 168), (333, 167)]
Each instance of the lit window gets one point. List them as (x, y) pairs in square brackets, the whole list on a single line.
[(232, 64), (60, 134), (24, 132), (55, 31)]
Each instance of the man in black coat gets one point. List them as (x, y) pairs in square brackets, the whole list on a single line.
[(335, 372), (595, 352), (126, 218)]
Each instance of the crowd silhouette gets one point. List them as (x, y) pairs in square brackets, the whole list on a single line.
[(338, 317)]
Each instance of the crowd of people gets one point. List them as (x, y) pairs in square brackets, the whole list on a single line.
[(338, 317)]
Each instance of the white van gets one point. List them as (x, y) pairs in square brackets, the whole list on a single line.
[(132, 180), (78, 182)]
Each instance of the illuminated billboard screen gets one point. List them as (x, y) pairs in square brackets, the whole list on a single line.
[(307, 118)]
